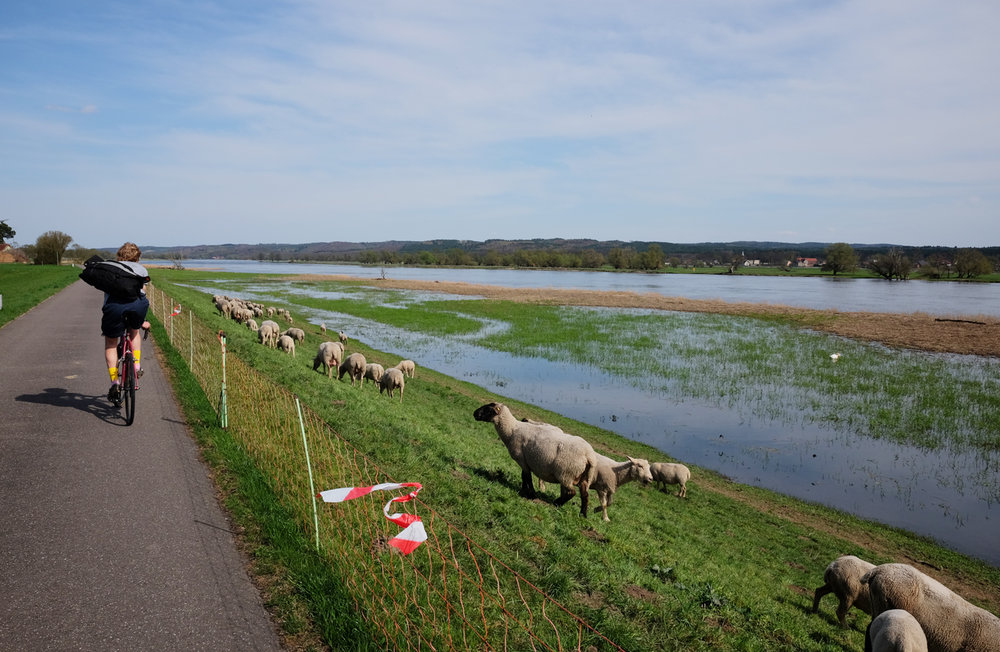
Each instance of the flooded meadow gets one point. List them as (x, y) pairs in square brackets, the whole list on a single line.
[(902, 437)]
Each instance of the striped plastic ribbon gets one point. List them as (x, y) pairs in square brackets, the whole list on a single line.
[(413, 533)]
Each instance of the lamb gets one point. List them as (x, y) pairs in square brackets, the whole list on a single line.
[(287, 344), (948, 620), (392, 379), (252, 325), (373, 372), (895, 630), (342, 337), (546, 451), (354, 366), (407, 367), (843, 578), (328, 355), (665, 473), (612, 474), (297, 334), (322, 328)]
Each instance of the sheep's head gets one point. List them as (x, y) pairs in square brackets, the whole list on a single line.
[(488, 412), (640, 470)]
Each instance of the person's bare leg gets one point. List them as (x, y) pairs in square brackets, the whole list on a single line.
[(111, 356)]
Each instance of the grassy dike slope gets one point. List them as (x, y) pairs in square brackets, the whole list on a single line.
[(25, 286), (730, 568)]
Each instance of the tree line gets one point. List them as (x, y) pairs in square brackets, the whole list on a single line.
[(893, 263)]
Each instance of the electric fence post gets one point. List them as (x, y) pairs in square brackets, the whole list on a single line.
[(223, 409)]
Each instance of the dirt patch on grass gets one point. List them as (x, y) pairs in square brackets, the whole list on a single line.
[(979, 335)]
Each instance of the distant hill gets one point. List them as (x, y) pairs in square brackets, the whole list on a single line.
[(339, 250)]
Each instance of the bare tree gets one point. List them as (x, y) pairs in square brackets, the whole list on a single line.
[(50, 247), (891, 265)]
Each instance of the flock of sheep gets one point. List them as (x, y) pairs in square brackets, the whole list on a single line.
[(331, 354), (552, 455), (911, 611)]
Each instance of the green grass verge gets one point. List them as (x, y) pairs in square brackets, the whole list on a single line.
[(730, 568), (25, 286)]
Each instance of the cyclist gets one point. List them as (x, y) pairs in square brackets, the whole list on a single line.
[(119, 314)]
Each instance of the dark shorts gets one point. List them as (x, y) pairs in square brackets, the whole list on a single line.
[(119, 314)]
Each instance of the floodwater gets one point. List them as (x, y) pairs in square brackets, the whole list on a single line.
[(950, 497), (940, 298)]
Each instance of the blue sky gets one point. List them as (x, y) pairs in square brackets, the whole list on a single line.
[(170, 122)]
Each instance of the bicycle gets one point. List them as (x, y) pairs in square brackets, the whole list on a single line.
[(128, 378)]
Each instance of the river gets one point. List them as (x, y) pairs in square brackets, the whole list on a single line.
[(939, 298)]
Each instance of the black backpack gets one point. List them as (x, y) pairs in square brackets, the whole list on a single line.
[(113, 277)]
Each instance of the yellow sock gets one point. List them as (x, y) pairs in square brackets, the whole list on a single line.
[(135, 356), (113, 372)]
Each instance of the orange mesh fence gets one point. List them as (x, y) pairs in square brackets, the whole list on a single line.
[(450, 593)]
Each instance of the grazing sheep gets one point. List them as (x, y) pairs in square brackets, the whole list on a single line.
[(546, 451), (373, 372), (895, 630), (353, 366), (328, 355), (665, 473), (268, 334), (392, 379), (407, 367), (322, 328), (948, 620), (297, 334), (287, 344), (342, 337), (252, 325), (843, 578), (612, 474)]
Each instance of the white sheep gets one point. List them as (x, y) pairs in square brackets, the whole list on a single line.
[(408, 367), (252, 325), (546, 451), (297, 334), (373, 372), (948, 620), (354, 366), (895, 630), (612, 474), (342, 337), (665, 473), (287, 344), (268, 334), (328, 355), (843, 578), (322, 328), (392, 379)]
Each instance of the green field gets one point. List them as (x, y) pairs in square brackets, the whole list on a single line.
[(24, 286), (730, 568)]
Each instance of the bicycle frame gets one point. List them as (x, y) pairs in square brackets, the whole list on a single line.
[(127, 375)]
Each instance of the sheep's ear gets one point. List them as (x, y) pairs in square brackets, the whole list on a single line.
[(630, 459)]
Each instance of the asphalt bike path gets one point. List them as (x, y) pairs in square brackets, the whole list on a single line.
[(111, 537)]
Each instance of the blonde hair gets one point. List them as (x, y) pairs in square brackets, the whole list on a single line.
[(130, 252)]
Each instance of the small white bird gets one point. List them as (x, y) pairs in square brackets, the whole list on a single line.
[(835, 356)]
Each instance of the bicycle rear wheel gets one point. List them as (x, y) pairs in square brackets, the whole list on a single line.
[(128, 389)]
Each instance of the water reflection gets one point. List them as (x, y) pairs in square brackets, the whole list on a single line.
[(950, 497)]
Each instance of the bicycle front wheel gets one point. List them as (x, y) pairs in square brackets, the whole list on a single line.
[(128, 389)]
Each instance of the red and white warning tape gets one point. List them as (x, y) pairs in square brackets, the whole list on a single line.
[(413, 533)]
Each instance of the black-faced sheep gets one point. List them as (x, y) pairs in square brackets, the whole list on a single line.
[(665, 473), (392, 379), (546, 451), (287, 344), (353, 366), (895, 630), (328, 356), (612, 474), (373, 372), (950, 622), (843, 578)]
